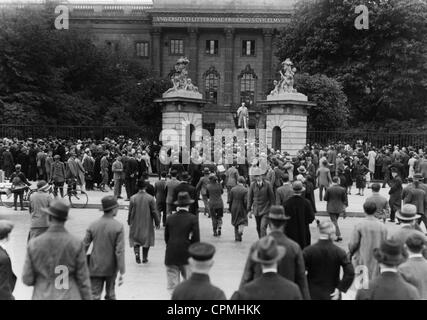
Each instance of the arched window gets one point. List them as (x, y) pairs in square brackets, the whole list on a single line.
[(247, 86), (276, 144), (211, 77)]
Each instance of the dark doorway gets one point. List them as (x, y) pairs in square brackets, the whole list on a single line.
[(277, 139), (189, 143)]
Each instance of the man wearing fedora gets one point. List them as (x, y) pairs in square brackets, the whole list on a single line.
[(7, 277), (291, 266), (337, 202), (108, 252), (141, 220), (55, 254), (301, 214), (198, 286), (182, 229), (414, 269), (185, 186), (270, 285), (390, 284), (39, 201), (201, 189), (418, 197), (324, 261), (260, 199)]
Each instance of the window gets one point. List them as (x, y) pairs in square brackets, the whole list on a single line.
[(141, 49), (211, 77), (247, 86), (248, 47), (177, 47), (212, 47)]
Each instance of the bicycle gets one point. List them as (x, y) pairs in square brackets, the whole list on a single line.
[(6, 193), (77, 198)]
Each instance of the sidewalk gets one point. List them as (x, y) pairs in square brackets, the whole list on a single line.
[(355, 208)]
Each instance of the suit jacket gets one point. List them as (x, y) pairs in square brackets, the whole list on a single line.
[(214, 193), (283, 194), (301, 213), (323, 262), (186, 187), (108, 253), (414, 270), (262, 198), (197, 287), (231, 176), (160, 191), (383, 207), (269, 286), (388, 286), (336, 196), (181, 230), (291, 266), (238, 205), (38, 201), (7, 277), (56, 247), (117, 169), (170, 190), (423, 167), (417, 197), (131, 168)]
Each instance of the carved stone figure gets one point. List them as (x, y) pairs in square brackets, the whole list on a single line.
[(276, 88), (181, 84), (243, 115), (287, 76)]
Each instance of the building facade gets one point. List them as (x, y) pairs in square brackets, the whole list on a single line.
[(230, 45)]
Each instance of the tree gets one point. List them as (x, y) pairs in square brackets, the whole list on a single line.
[(383, 70), (331, 111)]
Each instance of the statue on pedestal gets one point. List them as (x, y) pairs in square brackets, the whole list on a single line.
[(243, 115), (181, 84)]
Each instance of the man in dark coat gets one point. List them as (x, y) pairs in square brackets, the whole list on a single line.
[(395, 192), (131, 175), (238, 208), (7, 277), (323, 262), (8, 162), (390, 285), (170, 192), (198, 286), (337, 202), (182, 229), (160, 194), (301, 214), (185, 186), (270, 285), (108, 254), (291, 266)]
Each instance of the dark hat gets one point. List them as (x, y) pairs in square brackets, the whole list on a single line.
[(58, 209), (391, 253), (185, 176), (109, 203), (142, 184), (298, 187), (408, 212), (206, 171), (201, 251), (418, 176), (241, 180), (42, 185), (302, 169), (277, 213), (6, 227), (183, 199), (394, 169), (267, 251)]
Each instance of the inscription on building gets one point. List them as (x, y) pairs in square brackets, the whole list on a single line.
[(219, 20)]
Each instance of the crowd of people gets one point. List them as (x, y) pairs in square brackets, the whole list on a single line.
[(283, 264)]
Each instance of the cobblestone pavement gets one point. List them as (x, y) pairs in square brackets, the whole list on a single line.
[(149, 281)]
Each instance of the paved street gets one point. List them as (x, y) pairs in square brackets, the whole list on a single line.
[(149, 281)]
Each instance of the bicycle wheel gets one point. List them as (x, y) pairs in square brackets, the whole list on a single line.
[(78, 199)]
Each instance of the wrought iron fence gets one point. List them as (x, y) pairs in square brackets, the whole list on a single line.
[(415, 139)]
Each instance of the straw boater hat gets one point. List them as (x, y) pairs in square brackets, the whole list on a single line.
[(408, 213), (267, 251)]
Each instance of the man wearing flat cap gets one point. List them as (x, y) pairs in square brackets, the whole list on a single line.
[(270, 285), (291, 266), (7, 277), (55, 254), (390, 284), (181, 230), (108, 253), (198, 286), (39, 201)]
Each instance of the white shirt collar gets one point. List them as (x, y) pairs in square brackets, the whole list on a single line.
[(182, 208), (415, 255), (266, 270), (385, 269)]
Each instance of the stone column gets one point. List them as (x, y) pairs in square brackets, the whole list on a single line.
[(193, 55), (229, 66), (267, 59), (156, 51)]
